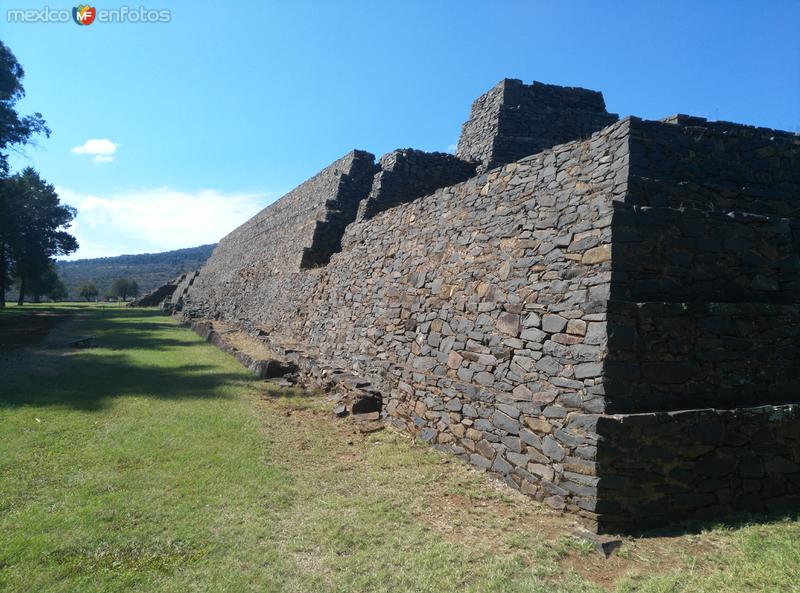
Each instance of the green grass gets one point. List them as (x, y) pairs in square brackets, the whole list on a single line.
[(154, 463)]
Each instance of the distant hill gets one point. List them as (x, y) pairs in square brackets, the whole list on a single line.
[(150, 270)]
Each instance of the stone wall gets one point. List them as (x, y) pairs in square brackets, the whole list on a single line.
[(677, 356), (407, 174), (344, 184), (484, 324), (514, 120), (174, 303), (156, 296), (256, 273), (498, 283), (529, 319), (695, 464), (704, 292), (678, 255), (714, 166)]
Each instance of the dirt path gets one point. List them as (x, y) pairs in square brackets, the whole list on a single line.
[(19, 330)]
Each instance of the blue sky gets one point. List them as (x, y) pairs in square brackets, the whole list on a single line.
[(217, 113)]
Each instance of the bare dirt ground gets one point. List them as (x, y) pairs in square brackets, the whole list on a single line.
[(27, 329)]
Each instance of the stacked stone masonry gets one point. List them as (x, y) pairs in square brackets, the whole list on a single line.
[(514, 120), (597, 322), (407, 174), (258, 271), (183, 283), (157, 296)]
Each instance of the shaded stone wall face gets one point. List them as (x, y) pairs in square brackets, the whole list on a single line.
[(514, 120), (476, 142), (696, 464), (677, 356), (714, 166), (407, 174), (677, 255), (706, 265), (703, 313)]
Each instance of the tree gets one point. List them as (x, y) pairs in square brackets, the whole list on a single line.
[(124, 287), (37, 231), (15, 131), (58, 291), (30, 267), (88, 292), (47, 283)]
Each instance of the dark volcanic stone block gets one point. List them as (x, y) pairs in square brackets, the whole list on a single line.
[(709, 456), (514, 120), (407, 174)]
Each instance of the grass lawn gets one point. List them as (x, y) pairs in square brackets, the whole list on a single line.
[(155, 463)]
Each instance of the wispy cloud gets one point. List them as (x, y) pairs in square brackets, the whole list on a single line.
[(451, 148), (102, 149), (157, 219)]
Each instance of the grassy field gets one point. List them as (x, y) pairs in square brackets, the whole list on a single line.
[(155, 463)]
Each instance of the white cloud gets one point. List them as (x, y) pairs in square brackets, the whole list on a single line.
[(451, 148), (157, 219), (103, 150)]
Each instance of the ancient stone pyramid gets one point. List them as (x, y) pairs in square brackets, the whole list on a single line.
[(603, 313)]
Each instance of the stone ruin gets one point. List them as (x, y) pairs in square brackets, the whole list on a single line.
[(602, 313)]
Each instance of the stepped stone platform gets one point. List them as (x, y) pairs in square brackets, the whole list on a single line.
[(602, 313)]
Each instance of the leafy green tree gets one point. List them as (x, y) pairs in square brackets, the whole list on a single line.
[(9, 234), (48, 283), (124, 288), (58, 292), (15, 132), (39, 232), (88, 292)]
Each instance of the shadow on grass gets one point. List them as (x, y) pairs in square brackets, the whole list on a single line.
[(730, 523), (89, 379), (13, 309)]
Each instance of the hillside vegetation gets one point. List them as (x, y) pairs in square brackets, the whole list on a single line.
[(149, 270)]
